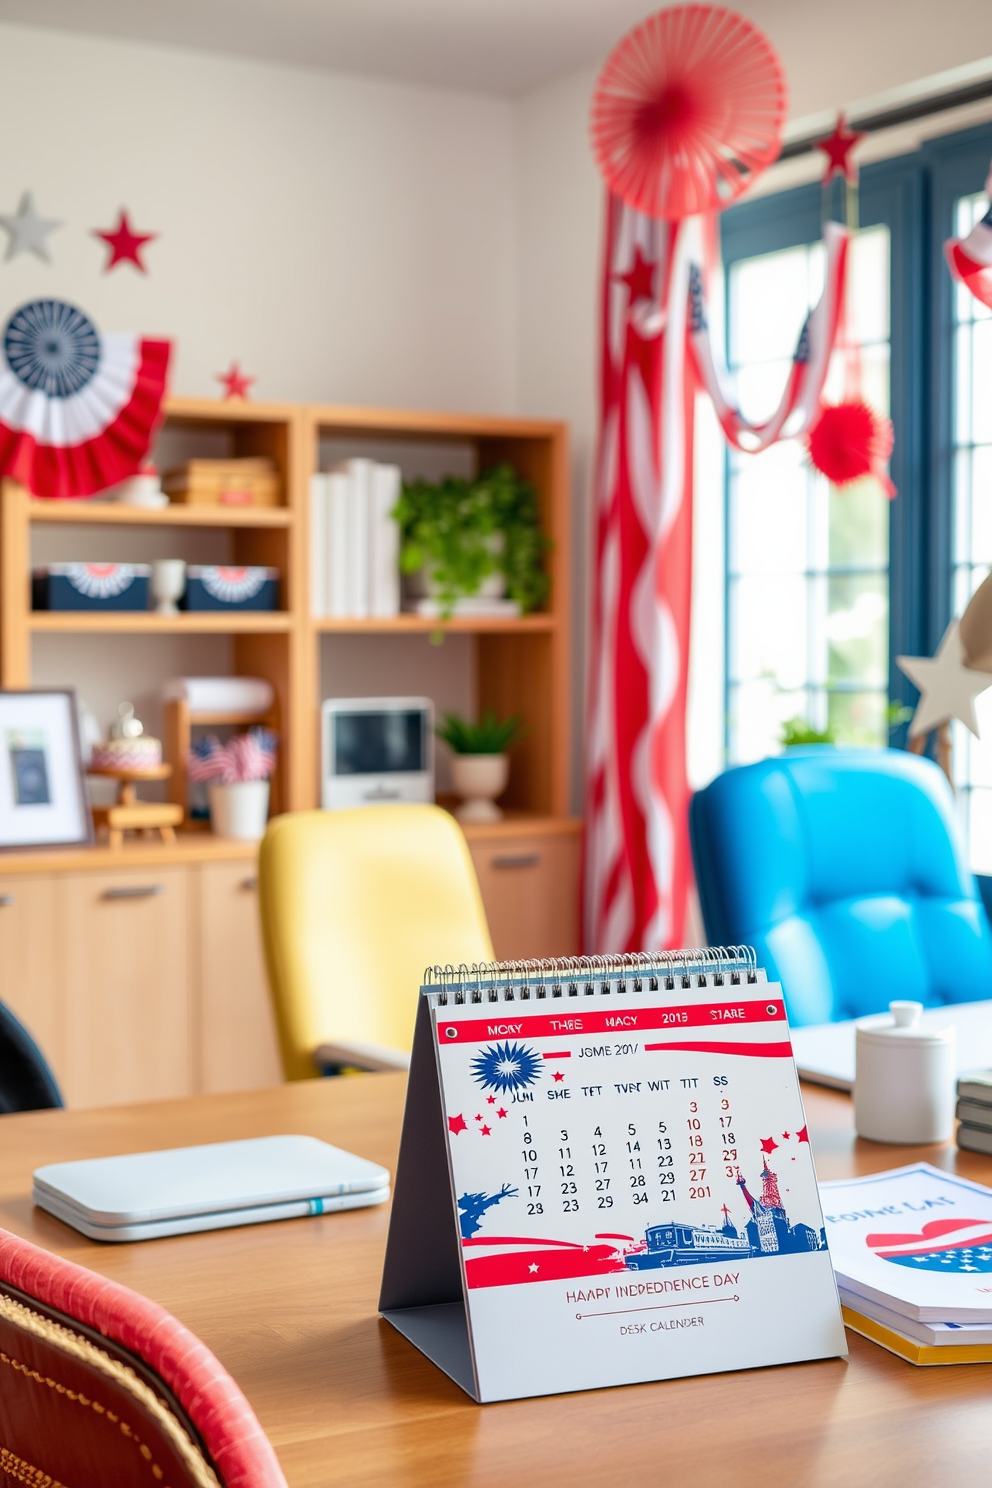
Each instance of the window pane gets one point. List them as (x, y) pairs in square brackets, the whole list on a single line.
[(857, 629), (859, 524), (807, 564), (859, 717), (768, 631)]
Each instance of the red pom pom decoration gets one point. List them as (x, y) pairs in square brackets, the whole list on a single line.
[(688, 109), (849, 441)]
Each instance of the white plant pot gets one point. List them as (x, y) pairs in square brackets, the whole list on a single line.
[(240, 810), (479, 779), (421, 585)]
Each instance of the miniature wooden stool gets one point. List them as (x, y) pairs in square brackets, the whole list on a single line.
[(130, 814)]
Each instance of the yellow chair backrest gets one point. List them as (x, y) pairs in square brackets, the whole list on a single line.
[(354, 905)]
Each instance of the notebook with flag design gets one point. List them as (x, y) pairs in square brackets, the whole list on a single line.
[(605, 1178), (916, 1240)]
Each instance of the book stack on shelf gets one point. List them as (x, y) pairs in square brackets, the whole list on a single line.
[(355, 549), (912, 1253)]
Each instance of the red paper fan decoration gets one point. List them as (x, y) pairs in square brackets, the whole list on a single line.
[(688, 109)]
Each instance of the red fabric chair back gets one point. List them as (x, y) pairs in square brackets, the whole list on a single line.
[(98, 1385)]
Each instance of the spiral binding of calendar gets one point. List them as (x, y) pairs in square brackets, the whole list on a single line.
[(589, 976)]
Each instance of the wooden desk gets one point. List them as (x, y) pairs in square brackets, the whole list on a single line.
[(290, 1309)]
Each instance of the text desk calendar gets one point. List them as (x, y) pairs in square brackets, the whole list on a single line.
[(604, 1178)]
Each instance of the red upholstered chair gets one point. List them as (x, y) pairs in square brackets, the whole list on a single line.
[(99, 1386)]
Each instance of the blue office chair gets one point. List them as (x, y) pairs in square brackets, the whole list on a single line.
[(26, 1082), (844, 869)]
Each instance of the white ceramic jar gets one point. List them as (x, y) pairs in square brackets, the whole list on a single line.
[(905, 1077)]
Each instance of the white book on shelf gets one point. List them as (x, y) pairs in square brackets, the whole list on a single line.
[(338, 543), (318, 545), (384, 542), (359, 475)]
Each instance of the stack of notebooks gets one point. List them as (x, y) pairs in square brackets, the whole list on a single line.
[(912, 1253), (355, 542), (975, 1111)]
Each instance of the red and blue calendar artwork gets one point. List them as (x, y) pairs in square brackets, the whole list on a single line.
[(632, 1186)]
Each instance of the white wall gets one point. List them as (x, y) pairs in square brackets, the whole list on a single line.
[(348, 240), (833, 54)]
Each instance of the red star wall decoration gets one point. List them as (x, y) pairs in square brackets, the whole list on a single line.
[(125, 244), (236, 384), (558, 1075), (457, 1124), (768, 1144), (837, 147)]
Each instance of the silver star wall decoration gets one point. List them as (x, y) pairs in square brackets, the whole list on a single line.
[(948, 686), (28, 230)]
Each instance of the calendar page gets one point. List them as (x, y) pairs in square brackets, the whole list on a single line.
[(632, 1184)]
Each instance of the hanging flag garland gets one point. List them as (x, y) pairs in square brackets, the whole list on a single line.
[(970, 259), (78, 410), (688, 109)]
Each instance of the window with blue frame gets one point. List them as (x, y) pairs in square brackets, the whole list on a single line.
[(824, 588)]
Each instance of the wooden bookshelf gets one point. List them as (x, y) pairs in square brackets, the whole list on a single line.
[(520, 665)]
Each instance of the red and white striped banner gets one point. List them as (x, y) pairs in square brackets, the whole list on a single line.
[(656, 353)]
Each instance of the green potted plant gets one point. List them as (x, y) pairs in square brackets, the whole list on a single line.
[(464, 539), (480, 767)]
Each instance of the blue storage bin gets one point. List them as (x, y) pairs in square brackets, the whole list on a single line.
[(222, 587), (90, 586)]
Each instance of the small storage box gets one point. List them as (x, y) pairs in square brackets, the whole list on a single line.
[(217, 587), (251, 482), (90, 586)]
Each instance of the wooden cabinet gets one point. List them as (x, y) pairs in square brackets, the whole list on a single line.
[(235, 1029), (140, 972), (529, 877), (124, 945), (143, 979), (29, 947)]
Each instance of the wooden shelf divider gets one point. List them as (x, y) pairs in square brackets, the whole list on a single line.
[(142, 622)]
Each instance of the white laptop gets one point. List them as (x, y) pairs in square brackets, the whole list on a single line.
[(825, 1051), (147, 1195)]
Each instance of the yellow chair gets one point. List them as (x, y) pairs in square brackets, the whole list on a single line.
[(354, 905)]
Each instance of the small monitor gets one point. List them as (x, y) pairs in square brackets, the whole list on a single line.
[(375, 750)]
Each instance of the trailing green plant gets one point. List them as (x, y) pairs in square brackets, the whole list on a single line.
[(491, 735), (797, 731), (461, 531)]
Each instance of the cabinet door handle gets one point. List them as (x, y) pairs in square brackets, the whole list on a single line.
[(248, 883), (517, 860), (136, 891), (6, 900)]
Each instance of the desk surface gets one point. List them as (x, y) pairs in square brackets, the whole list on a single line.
[(290, 1309)]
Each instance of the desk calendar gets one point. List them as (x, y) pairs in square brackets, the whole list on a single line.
[(605, 1178)]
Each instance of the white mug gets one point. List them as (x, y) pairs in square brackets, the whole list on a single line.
[(905, 1077)]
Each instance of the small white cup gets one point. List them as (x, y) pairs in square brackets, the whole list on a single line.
[(905, 1077), (168, 583)]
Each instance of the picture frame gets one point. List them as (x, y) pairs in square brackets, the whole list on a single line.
[(43, 798)]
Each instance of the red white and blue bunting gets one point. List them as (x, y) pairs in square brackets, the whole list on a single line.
[(78, 410), (656, 353), (970, 259)]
